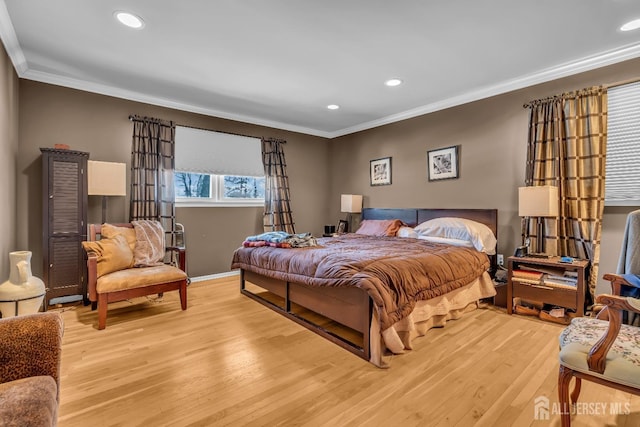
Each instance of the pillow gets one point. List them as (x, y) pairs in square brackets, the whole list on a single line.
[(379, 227), (478, 234), (452, 242), (110, 231), (405, 231), (113, 254), (149, 248)]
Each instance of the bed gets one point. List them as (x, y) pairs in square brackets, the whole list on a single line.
[(367, 294)]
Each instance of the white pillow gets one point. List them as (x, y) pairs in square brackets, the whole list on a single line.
[(407, 232), (478, 234), (452, 242)]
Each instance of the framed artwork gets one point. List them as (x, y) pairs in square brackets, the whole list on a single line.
[(380, 171), (342, 226), (442, 163)]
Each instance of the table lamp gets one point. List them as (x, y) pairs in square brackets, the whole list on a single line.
[(350, 203), (106, 179), (538, 202)]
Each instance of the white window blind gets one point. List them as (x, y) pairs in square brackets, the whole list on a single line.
[(218, 153), (622, 183)]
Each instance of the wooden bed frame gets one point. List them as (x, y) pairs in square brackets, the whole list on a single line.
[(344, 315)]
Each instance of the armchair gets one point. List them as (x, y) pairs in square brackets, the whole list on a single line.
[(605, 352), (112, 275), (30, 369)]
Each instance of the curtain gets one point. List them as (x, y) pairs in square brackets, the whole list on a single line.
[(152, 166), (277, 209), (567, 148)]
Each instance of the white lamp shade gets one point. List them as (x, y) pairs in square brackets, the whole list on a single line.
[(107, 178), (351, 203), (538, 201)]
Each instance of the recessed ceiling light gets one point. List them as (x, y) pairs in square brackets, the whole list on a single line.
[(631, 25), (129, 19), (393, 82), (333, 107)]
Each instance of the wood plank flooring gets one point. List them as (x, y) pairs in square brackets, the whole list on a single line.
[(229, 361)]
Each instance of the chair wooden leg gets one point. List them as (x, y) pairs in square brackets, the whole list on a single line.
[(102, 312), (564, 379), (576, 391), (183, 295)]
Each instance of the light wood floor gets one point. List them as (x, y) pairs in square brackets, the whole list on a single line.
[(228, 360)]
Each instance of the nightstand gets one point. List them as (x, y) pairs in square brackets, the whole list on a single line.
[(543, 287)]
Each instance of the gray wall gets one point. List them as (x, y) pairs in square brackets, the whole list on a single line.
[(9, 150), (99, 125), (492, 135)]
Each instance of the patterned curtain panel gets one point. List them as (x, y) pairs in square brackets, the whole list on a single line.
[(277, 209), (152, 165), (567, 148)]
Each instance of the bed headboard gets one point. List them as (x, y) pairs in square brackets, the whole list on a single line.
[(408, 216), (413, 217)]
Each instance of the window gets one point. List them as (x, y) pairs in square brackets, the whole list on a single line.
[(622, 183), (217, 169)]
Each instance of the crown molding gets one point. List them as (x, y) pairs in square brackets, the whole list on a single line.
[(10, 41), (586, 64)]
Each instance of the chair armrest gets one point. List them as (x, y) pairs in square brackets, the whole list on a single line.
[(92, 275), (182, 256), (615, 305), (617, 281), (31, 346)]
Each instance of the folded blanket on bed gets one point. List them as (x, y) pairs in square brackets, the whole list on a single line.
[(259, 243), (281, 239)]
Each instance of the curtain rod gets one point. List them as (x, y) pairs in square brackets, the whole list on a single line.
[(232, 133), (572, 94), (565, 95), (138, 118)]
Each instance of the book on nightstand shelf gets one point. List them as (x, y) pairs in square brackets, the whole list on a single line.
[(527, 274), (565, 281)]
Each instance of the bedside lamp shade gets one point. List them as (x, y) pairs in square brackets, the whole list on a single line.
[(106, 179), (351, 203), (538, 202)]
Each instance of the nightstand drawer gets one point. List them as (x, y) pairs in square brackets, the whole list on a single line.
[(563, 297)]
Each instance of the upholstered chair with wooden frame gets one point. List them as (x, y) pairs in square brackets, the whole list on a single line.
[(605, 352), (112, 276)]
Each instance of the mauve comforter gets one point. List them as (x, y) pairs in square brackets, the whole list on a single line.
[(395, 272)]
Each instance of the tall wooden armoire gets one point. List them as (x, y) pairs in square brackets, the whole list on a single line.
[(64, 222)]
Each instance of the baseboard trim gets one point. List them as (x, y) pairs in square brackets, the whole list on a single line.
[(215, 276)]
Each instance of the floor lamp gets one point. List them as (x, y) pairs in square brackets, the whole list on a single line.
[(106, 179), (538, 202), (350, 203)]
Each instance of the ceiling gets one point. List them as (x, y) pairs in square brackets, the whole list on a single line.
[(280, 63)]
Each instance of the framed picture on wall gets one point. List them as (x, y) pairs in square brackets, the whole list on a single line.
[(442, 163), (380, 171)]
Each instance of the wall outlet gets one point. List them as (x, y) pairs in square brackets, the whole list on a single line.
[(501, 260)]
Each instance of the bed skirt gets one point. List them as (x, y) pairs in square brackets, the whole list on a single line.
[(426, 315)]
